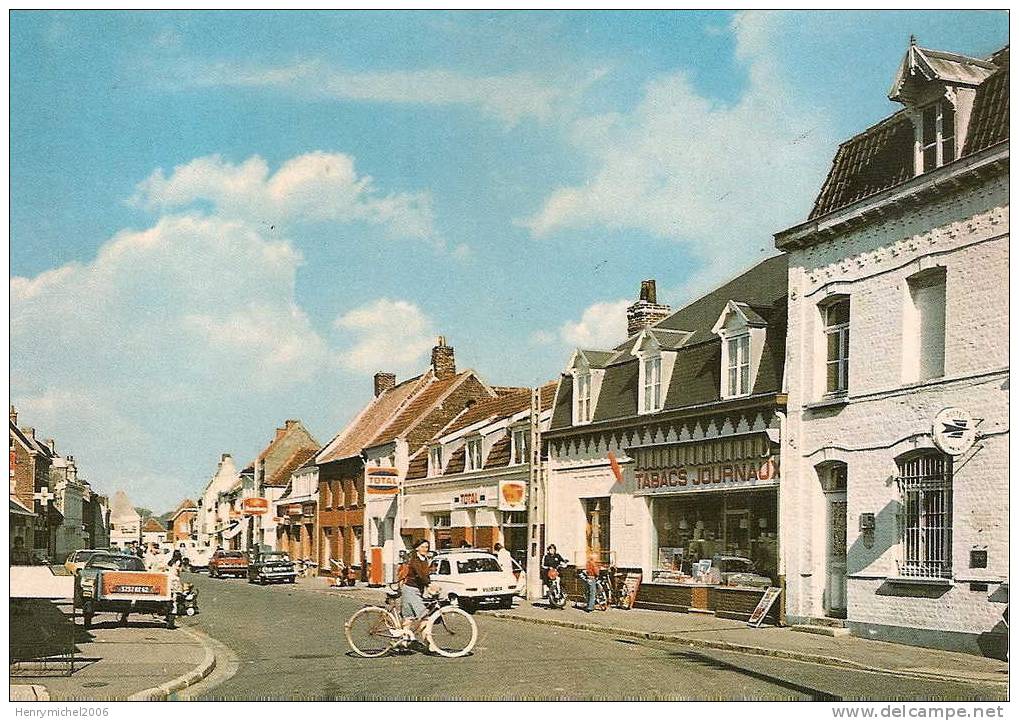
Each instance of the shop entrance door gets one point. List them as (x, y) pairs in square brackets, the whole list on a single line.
[(835, 593)]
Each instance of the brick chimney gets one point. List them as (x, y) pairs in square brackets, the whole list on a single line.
[(443, 363), (646, 311), (53, 447), (14, 415), (384, 382)]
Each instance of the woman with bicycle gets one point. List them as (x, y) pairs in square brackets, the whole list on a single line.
[(416, 579)]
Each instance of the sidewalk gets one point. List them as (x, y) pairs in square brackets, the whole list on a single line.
[(110, 662), (706, 631)]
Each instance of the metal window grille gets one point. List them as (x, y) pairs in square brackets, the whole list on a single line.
[(925, 486)]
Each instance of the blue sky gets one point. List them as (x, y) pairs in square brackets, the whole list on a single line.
[(222, 220)]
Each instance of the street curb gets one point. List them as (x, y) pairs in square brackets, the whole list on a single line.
[(163, 691), (752, 650)]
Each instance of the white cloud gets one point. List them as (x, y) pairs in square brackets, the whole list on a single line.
[(719, 177), (509, 97), (390, 335), (315, 187), (602, 325)]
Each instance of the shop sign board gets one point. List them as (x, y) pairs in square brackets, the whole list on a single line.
[(954, 431), (629, 586), (255, 506), (512, 495), (474, 498), (382, 481), (765, 604), (748, 473)]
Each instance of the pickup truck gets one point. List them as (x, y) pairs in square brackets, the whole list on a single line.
[(272, 567), (120, 584), (228, 563)]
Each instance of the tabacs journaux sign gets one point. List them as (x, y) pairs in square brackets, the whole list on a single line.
[(690, 479)]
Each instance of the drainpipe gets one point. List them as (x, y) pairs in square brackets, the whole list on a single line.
[(784, 455)]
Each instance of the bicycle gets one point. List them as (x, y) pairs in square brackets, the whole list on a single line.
[(373, 631), (604, 594)]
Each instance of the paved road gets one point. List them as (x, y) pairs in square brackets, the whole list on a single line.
[(289, 644)]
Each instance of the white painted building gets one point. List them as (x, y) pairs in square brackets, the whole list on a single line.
[(125, 523), (214, 513), (895, 514)]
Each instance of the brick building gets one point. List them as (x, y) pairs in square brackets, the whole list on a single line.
[(454, 487), (362, 468), (664, 451), (292, 445), (896, 465), (183, 521), (31, 490)]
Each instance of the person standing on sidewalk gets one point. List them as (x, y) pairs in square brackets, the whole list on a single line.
[(505, 557), (591, 579)]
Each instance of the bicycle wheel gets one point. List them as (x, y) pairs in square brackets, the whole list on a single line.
[(451, 632), (601, 598), (368, 631)]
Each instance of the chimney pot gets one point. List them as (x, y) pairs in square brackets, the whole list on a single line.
[(646, 311), (224, 457), (443, 361), (14, 415), (53, 446), (384, 382)]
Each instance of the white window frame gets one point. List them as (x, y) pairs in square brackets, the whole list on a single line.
[(651, 399), (436, 518), (582, 387), (435, 460), (841, 330), (940, 139), (924, 345), (925, 494), (473, 459), (518, 450), (737, 370)]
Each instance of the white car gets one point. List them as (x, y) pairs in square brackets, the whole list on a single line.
[(472, 578)]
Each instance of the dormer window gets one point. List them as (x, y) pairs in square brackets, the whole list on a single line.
[(582, 382), (521, 443), (651, 388), (435, 460), (743, 333), (935, 136), (472, 460)]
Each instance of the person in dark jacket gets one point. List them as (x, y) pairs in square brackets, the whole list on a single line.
[(417, 577), (552, 559)]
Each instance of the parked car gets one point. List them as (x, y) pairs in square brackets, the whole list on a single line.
[(272, 567), (472, 578), (739, 571), (228, 563), (76, 560), (119, 583)]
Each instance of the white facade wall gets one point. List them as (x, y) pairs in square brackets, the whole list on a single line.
[(575, 474), (966, 233)]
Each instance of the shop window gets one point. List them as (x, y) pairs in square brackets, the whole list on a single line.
[(441, 520), (582, 401), (598, 515), (924, 327), (472, 461), (521, 441), (737, 528), (925, 492), (651, 384), (835, 316), (935, 136), (435, 460)]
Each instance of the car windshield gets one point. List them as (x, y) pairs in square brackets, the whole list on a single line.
[(81, 556), (231, 554), (116, 563), (480, 564), (275, 557)]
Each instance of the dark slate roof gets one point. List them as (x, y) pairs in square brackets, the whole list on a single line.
[(499, 456), (988, 123), (696, 374), (881, 157)]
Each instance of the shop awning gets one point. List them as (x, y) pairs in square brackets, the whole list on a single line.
[(19, 510), (233, 530)]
